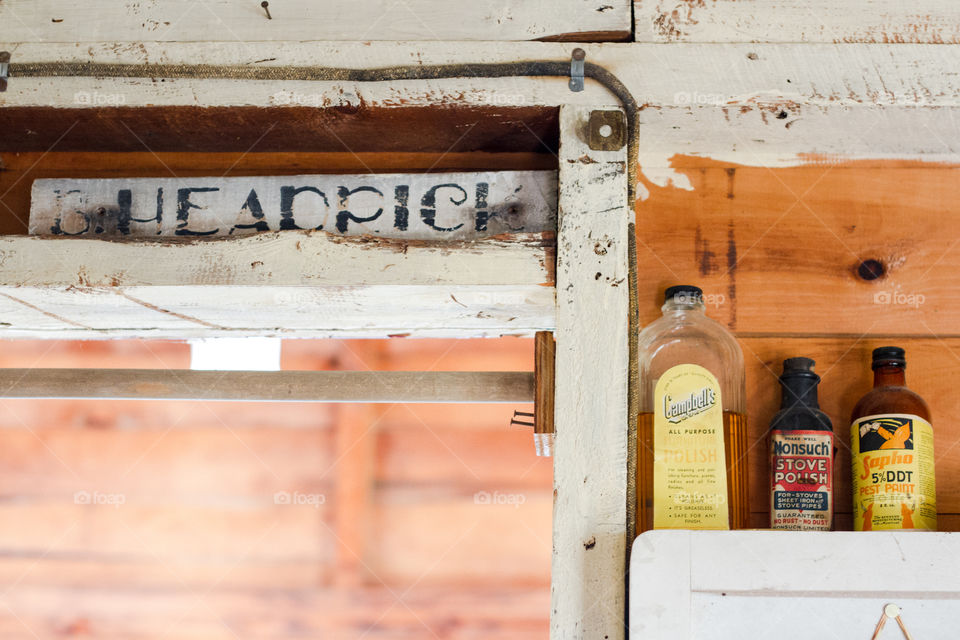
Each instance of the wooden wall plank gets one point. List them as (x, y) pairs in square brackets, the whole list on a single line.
[(445, 206), (716, 100), (19, 170), (222, 463), (427, 450), (877, 21), (509, 612), (933, 363), (780, 252), (170, 533), (200, 543), (590, 458), (460, 548), (291, 283), (181, 20)]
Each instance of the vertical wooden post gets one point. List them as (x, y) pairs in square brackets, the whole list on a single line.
[(544, 354), (355, 469), (590, 459)]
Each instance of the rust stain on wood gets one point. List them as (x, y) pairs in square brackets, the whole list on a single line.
[(154, 307), (45, 312)]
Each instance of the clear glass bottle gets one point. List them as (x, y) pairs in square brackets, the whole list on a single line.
[(692, 425)]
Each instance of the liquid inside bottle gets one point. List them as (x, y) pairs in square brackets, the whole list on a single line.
[(692, 426), (894, 485)]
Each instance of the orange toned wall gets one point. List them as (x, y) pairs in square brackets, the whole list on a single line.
[(163, 520), (778, 252)]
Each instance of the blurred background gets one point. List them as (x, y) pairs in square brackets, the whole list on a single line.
[(176, 520)]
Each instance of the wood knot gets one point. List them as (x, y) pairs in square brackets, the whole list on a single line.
[(871, 270)]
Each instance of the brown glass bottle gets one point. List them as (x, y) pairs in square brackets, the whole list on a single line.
[(892, 452)]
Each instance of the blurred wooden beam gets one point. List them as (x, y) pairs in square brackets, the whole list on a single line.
[(270, 386)]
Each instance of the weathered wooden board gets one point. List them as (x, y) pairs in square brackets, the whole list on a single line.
[(436, 206), (880, 21), (278, 386), (592, 354), (291, 283), (781, 252), (692, 585), (375, 612), (754, 104), (20, 170), (843, 363), (182, 20)]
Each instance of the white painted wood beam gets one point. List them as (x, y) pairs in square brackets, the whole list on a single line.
[(360, 20), (867, 21), (288, 284), (590, 468), (752, 104)]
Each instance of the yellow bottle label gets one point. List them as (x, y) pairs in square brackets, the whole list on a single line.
[(893, 477), (689, 466)]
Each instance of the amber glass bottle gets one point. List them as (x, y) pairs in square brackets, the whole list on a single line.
[(691, 431), (894, 486)]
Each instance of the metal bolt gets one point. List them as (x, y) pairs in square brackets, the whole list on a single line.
[(266, 6)]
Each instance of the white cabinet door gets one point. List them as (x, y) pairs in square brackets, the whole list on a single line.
[(692, 585)]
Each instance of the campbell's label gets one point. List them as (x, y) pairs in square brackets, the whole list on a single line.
[(801, 474), (894, 485), (689, 466)]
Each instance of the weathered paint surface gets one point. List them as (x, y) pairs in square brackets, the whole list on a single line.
[(754, 104), (437, 206), (361, 20), (853, 21), (290, 283), (592, 355)]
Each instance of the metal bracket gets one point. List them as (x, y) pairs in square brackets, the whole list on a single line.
[(576, 69), (606, 130), (4, 69)]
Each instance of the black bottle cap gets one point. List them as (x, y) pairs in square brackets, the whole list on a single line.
[(799, 367), (889, 355), (683, 294)]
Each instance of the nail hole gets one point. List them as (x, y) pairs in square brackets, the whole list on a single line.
[(871, 269)]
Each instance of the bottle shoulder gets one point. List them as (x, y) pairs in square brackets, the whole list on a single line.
[(689, 333), (891, 399)]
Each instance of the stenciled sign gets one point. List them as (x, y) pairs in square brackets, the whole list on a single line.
[(433, 206)]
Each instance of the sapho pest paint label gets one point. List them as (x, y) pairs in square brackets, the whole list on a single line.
[(689, 467), (801, 472), (893, 476)]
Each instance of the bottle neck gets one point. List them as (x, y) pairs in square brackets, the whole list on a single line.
[(671, 306), (889, 375), (799, 392)]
